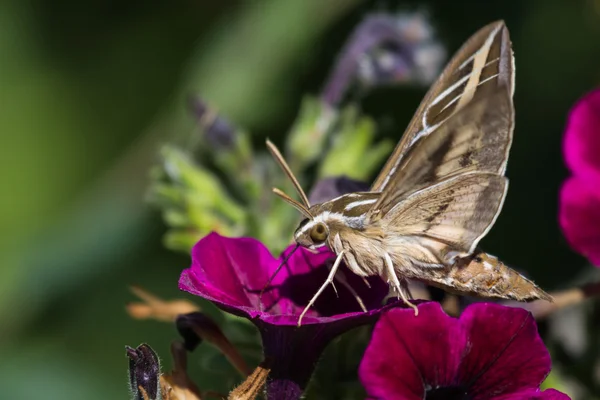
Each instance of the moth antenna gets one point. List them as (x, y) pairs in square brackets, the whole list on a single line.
[(294, 203), (281, 161), (274, 274)]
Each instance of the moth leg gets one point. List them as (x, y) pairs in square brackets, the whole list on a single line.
[(335, 290), (404, 285), (342, 278), (396, 283), (366, 281), (329, 280), (338, 247), (353, 265), (333, 285), (351, 262)]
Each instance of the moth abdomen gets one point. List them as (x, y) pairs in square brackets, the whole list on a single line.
[(483, 275)]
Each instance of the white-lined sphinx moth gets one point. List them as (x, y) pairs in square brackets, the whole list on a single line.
[(439, 193)]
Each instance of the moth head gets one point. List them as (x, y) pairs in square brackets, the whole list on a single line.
[(312, 234)]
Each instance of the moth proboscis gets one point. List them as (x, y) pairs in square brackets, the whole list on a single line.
[(440, 191)]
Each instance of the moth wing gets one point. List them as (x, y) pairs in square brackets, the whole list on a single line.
[(484, 65), (477, 138), (455, 213)]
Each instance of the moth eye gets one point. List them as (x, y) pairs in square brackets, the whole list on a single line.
[(318, 233)]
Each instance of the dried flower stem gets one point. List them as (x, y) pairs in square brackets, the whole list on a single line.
[(188, 316), (144, 393), (156, 308), (253, 385), (177, 385), (221, 342), (539, 308), (195, 327)]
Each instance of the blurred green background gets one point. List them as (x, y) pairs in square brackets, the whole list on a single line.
[(89, 90)]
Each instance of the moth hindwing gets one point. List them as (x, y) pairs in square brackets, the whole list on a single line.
[(440, 191)]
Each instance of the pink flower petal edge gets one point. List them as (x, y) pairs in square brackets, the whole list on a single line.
[(490, 352), (581, 145), (579, 217)]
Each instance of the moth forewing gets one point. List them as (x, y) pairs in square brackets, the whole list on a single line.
[(481, 66), (477, 138)]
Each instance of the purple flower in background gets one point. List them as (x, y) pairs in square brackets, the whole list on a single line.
[(329, 188), (385, 49), (218, 131), (579, 213), (490, 352), (232, 272)]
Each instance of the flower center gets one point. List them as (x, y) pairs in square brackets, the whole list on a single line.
[(447, 393)]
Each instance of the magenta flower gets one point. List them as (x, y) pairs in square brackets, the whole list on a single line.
[(490, 352), (232, 272), (580, 194)]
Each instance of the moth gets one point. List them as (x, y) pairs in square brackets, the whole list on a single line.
[(440, 191)]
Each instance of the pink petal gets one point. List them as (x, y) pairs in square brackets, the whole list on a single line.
[(231, 272), (579, 216), (505, 352), (535, 394), (582, 138), (226, 270), (407, 352)]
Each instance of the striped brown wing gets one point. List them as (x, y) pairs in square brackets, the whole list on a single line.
[(457, 212), (477, 138), (482, 67)]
